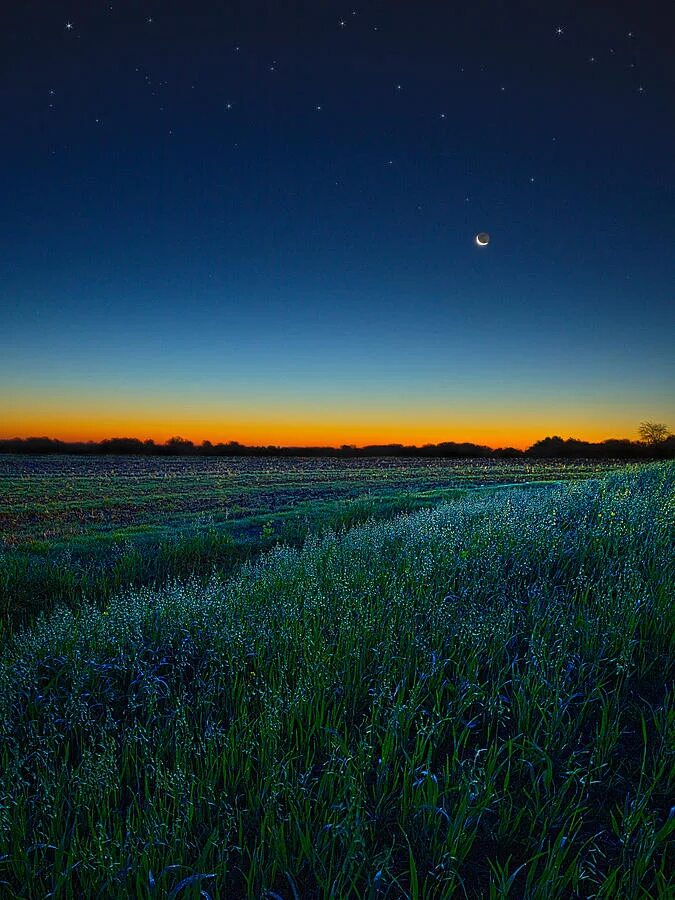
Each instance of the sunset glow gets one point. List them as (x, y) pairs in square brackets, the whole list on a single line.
[(87, 418)]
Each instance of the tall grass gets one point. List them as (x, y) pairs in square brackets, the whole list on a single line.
[(34, 582), (474, 700), (39, 575)]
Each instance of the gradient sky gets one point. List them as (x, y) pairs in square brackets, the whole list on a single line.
[(254, 221)]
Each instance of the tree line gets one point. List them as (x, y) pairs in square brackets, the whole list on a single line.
[(655, 442)]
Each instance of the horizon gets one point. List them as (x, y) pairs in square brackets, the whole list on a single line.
[(338, 445), (105, 418)]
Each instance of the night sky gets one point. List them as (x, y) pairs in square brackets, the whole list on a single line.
[(255, 221)]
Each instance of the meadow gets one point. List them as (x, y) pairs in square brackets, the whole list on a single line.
[(81, 527), (444, 679)]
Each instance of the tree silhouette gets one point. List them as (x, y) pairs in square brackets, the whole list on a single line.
[(653, 433)]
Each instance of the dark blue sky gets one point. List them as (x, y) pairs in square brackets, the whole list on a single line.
[(248, 220)]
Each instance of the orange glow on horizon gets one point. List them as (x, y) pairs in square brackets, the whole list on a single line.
[(294, 421), (300, 434)]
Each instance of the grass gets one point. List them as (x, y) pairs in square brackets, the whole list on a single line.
[(32, 583), (39, 575), (77, 529), (471, 700)]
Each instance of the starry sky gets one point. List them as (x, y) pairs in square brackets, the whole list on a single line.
[(255, 221)]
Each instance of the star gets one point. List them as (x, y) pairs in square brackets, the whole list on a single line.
[(69, 26), (641, 89), (228, 106), (532, 180), (51, 93), (398, 87), (559, 31), (149, 20), (591, 59), (318, 109), (443, 116), (342, 23)]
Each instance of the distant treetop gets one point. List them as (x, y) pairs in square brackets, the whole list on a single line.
[(656, 442), (654, 433)]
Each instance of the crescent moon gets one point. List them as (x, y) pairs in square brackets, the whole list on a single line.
[(482, 239)]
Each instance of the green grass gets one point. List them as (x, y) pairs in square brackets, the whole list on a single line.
[(37, 576), (76, 529), (471, 700), (33, 583)]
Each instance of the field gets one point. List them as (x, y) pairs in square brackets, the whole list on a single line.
[(80, 527), (379, 678)]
